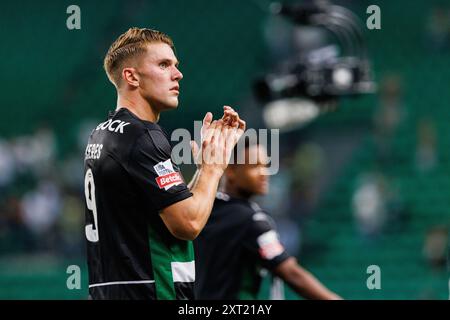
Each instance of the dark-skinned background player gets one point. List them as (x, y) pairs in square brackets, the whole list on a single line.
[(240, 238)]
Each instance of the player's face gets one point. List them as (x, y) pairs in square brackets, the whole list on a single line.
[(159, 76), (253, 177)]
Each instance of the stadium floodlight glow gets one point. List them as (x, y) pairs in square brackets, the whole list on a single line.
[(319, 75), (342, 78)]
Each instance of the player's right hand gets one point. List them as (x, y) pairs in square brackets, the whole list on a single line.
[(196, 154)]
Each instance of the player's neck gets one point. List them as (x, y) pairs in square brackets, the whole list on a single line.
[(235, 192), (139, 106)]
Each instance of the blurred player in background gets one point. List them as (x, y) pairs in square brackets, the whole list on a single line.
[(240, 239), (140, 214)]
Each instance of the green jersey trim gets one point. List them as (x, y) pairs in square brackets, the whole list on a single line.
[(172, 261)]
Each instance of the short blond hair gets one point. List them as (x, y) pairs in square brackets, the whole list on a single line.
[(130, 44)]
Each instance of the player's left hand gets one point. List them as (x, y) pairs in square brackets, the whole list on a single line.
[(234, 128), (231, 118)]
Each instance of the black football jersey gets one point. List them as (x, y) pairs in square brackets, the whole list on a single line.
[(129, 179), (237, 243)]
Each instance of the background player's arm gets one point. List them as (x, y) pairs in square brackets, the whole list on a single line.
[(185, 219), (302, 281), (263, 241)]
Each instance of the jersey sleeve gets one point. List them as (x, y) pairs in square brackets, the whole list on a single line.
[(150, 165), (262, 240)]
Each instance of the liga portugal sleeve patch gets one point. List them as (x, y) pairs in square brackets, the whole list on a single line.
[(167, 176)]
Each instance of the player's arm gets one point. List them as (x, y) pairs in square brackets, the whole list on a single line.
[(302, 281), (185, 219), (194, 179), (263, 241)]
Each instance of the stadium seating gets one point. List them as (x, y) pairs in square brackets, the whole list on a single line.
[(334, 250)]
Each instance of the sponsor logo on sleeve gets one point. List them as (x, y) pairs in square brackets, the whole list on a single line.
[(167, 176), (269, 245)]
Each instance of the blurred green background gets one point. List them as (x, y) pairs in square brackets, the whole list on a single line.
[(366, 184)]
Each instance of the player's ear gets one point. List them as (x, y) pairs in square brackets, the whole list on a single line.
[(130, 76)]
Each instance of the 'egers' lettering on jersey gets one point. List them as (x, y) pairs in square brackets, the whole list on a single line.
[(167, 176), (113, 126)]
